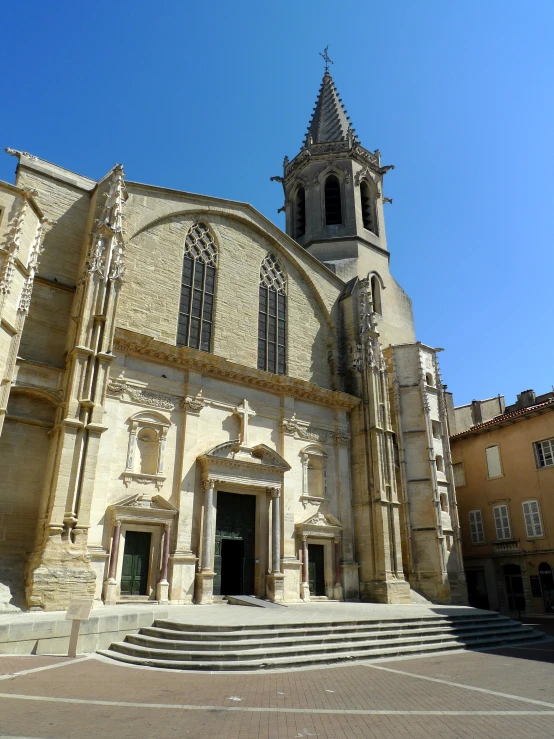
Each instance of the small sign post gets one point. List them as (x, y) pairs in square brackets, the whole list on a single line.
[(78, 610)]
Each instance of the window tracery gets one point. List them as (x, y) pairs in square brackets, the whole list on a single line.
[(197, 289), (272, 317)]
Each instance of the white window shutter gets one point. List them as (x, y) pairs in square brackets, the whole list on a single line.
[(476, 527), (532, 516), (502, 522)]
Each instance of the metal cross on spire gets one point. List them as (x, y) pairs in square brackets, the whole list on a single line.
[(326, 58)]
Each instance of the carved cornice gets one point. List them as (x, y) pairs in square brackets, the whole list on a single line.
[(141, 396), (129, 342)]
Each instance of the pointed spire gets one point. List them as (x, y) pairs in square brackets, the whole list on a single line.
[(329, 120)]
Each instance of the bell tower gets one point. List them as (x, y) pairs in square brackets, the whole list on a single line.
[(334, 191)]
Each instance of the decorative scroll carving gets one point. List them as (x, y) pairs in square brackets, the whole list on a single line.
[(155, 400), (193, 405), (157, 480), (116, 388), (341, 437), (293, 427), (142, 396)]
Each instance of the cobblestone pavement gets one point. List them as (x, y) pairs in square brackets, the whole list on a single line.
[(505, 693)]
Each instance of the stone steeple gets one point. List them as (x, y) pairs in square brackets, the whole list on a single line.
[(333, 191), (329, 120)]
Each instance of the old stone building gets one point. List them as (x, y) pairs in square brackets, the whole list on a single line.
[(195, 404), (504, 471)]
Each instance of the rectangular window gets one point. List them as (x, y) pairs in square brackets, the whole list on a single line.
[(459, 474), (493, 462), (544, 451), (532, 516), (476, 527), (502, 522), (437, 430)]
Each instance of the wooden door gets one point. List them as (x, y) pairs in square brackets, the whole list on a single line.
[(235, 531), (136, 560), (316, 568)]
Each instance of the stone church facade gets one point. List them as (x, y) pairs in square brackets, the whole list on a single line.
[(195, 404)]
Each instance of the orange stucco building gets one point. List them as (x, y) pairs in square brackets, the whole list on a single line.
[(504, 474)]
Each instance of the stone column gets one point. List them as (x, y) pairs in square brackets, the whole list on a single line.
[(205, 578), (275, 530), (337, 590), (305, 585), (110, 585), (276, 579), (162, 590)]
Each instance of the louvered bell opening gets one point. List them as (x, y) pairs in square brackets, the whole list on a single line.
[(367, 207), (300, 212), (333, 206)]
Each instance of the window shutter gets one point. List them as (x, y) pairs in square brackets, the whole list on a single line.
[(532, 516), (494, 467), (502, 522), (476, 527), (459, 476)]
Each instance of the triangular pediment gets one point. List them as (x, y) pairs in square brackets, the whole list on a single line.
[(137, 500), (323, 520), (235, 454)]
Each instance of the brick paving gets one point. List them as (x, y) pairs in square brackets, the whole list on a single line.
[(57, 701)]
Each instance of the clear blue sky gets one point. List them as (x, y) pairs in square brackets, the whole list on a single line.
[(208, 97)]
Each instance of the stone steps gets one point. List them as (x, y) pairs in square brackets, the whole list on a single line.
[(176, 645), (275, 632), (212, 631), (168, 639), (137, 646)]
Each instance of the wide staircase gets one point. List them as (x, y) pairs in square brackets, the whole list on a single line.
[(181, 646)]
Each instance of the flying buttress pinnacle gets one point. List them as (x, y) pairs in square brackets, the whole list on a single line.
[(106, 253)]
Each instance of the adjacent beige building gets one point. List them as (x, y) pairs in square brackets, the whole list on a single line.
[(195, 404), (504, 475)]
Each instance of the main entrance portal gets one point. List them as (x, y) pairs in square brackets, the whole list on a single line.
[(235, 529), (136, 556)]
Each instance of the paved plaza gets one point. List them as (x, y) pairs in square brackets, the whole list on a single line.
[(506, 693)]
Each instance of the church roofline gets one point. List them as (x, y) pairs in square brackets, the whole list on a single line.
[(267, 225), (30, 161)]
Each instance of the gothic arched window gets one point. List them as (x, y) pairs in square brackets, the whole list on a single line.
[(369, 211), (300, 213), (333, 205), (376, 294), (272, 317), (197, 289)]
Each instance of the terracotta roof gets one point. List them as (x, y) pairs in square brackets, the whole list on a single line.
[(506, 417)]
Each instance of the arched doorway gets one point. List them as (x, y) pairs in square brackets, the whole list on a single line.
[(547, 586), (514, 588)]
